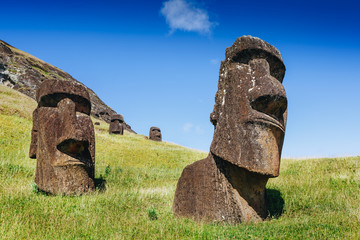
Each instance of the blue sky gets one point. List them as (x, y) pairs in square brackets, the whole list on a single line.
[(157, 62)]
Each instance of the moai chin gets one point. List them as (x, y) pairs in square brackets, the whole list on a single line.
[(155, 134), (116, 124), (249, 118), (62, 139)]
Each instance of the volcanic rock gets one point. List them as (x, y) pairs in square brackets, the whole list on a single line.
[(249, 118), (63, 139), (155, 134), (117, 124), (25, 73)]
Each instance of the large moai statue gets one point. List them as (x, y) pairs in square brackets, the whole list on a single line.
[(116, 124), (249, 117), (62, 139), (155, 134)]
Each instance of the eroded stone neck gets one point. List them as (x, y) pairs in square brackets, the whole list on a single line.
[(250, 186)]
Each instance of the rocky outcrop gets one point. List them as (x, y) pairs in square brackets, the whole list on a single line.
[(25, 73)]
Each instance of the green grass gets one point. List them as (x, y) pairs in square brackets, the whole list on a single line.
[(14, 103), (12, 70), (311, 199), (44, 72)]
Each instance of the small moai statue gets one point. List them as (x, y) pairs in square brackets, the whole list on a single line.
[(62, 139), (249, 119), (116, 124), (155, 134)]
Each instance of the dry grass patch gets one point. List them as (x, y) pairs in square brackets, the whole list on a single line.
[(14, 103)]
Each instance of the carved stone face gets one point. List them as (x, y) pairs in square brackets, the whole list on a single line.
[(250, 107), (116, 124), (155, 134), (63, 138)]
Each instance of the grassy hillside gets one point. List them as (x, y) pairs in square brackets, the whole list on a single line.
[(317, 198)]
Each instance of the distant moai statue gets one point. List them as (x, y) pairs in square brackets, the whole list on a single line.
[(116, 124), (249, 117), (62, 139), (155, 134)]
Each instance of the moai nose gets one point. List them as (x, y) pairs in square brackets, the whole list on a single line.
[(73, 147), (269, 95), (72, 140), (272, 105)]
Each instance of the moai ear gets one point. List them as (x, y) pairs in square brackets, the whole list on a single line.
[(213, 118), (34, 135)]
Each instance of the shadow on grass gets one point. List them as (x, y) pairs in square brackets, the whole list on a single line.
[(100, 184), (275, 203)]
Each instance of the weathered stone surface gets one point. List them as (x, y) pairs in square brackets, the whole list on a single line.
[(34, 135), (63, 140), (249, 117), (25, 73), (155, 134), (116, 124)]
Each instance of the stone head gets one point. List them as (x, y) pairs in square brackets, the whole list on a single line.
[(155, 134), (116, 124), (250, 108), (63, 138), (117, 118)]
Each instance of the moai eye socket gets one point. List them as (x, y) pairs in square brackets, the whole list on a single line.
[(117, 117), (277, 67), (51, 100), (52, 92)]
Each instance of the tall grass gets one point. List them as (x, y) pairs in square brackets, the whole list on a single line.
[(14, 103), (311, 199)]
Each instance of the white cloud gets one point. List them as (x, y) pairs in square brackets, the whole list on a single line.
[(191, 128), (198, 130), (187, 127), (181, 15), (214, 61)]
